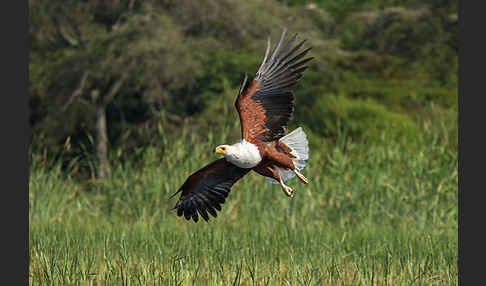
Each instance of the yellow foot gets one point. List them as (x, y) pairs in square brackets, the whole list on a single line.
[(301, 177), (287, 190)]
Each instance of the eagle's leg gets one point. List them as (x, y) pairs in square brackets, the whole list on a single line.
[(301, 177), (268, 170), (286, 189), (285, 161), (289, 192)]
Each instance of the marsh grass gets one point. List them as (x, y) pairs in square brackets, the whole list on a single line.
[(372, 215)]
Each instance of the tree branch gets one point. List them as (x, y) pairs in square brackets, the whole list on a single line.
[(115, 88), (77, 32), (78, 91), (123, 15), (74, 41), (66, 38)]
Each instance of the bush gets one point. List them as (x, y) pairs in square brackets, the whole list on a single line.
[(362, 120), (423, 35)]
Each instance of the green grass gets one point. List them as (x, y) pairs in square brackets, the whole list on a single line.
[(371, 215)]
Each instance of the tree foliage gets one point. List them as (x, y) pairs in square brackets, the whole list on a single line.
[(162, 63)]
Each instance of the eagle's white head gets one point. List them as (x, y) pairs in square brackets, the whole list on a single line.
[(223, 149), (242, 154)]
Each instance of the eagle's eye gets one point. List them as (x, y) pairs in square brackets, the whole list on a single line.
[(223, 148)]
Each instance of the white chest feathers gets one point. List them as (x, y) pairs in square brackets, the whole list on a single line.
[(243, 154)]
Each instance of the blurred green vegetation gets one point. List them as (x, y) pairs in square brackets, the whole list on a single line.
[(379, 65)]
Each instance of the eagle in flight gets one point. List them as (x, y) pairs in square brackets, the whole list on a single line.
[(265, 106)]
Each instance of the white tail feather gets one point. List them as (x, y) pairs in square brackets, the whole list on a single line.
[(297, 141)]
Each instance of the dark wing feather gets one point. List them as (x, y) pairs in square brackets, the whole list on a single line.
[(205, 190), (266, 104)]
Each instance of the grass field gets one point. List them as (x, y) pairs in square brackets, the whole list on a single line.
[(371, 215)]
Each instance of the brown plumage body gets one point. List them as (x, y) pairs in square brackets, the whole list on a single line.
[(275, 153)]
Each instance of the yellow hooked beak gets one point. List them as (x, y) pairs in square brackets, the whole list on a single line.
[(220, 150)]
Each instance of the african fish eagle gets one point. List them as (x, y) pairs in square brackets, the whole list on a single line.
[(265, 106)]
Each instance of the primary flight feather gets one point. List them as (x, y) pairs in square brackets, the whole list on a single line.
[(265, 106)]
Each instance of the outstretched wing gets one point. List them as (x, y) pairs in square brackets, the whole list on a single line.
[(205, 190), (266, 104)]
